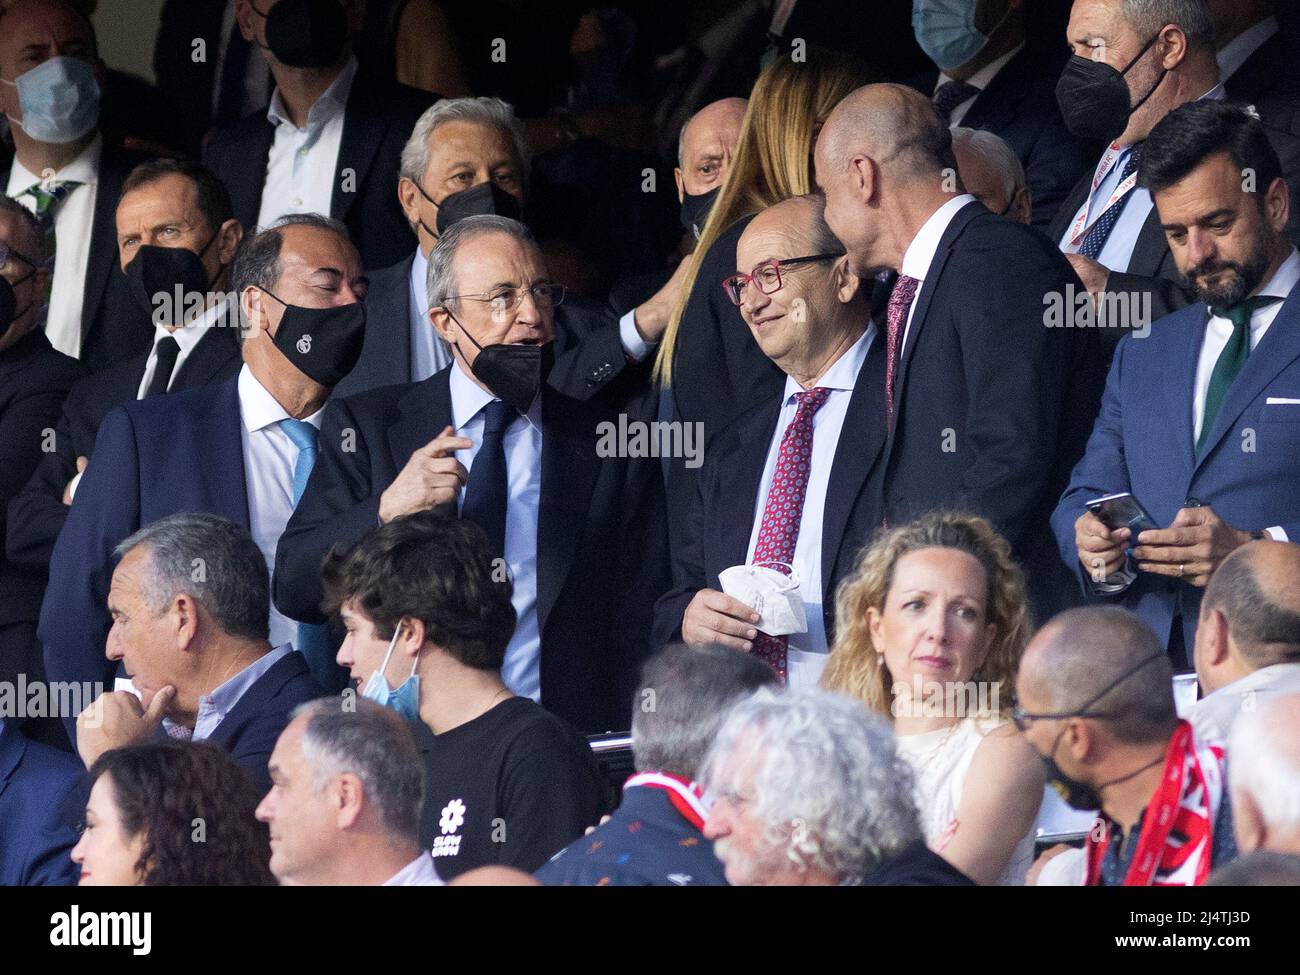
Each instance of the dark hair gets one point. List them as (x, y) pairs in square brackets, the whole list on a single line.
[(169, 792), (212, 559), (1258, 625), (1192, 133), (258, 262), (434, 568), (214, 198), (684, 695)]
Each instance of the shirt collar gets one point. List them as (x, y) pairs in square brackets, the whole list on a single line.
[(259, 409), (981, 78), (420, 872), (188, 335), (419, 278), (843, 373), (83, 169), (221, 700), (468, 399), (1238, 50), (920, 253), (1284, 279), (332, 101)]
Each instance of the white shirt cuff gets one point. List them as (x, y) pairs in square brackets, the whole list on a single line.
[(1277, 533), (633, 344), (1117, 582), (72, 487)]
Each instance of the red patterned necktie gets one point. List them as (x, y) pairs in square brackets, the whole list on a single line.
[(779, 528), (900, 300)]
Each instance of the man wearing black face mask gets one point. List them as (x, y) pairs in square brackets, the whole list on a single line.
[(1097, 704), (34, 378), (242, 448), (1129, 70), (580, 527), (330, 139)]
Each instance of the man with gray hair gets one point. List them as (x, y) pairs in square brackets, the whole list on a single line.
[(242, 448), (575, 513), (344, 802), (808, 790), (1264, 775), (189, 603), (684, 695), (1248, 639), (992, 173)]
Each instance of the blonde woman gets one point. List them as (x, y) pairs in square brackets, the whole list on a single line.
[(707, 356), (931, 626)]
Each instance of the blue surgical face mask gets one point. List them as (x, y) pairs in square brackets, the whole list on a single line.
[(59, 99), (406, 699), (945, 29)]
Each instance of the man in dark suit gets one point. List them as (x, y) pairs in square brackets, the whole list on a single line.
[(241, 448), (195, 645), (33, 381), (468, 156), (656, 836), (331, 138), (35, 834), (1002, 85), (988, 406), (576, 513), (65, 172), (1198, 420), (756, 503), (166, 203)]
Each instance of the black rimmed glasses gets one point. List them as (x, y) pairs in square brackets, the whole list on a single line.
[(1023, 718)]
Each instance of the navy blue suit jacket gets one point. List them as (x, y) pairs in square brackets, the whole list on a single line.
[(36, 834), (153, 457), (1248, 469), (646, 843)]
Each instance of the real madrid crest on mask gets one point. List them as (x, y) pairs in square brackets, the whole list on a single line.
[(322, 343)]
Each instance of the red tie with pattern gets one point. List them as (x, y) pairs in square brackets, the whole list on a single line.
[(900, 300), (779, 529)]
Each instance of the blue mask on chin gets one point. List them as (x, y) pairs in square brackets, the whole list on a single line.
[(405, 700)]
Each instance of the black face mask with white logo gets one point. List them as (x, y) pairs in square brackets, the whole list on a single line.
[(321, 343), (695, 210)]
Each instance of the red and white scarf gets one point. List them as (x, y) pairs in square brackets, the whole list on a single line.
[(1177, 838), (687, 797)]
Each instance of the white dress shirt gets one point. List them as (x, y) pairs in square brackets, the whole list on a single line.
[(187, 337), (429, 353), (301, 165), (981, 79), (522, 441), (920, 252), (420, 872), (269, 459), (807, 651), (1117, 252), (1238, 50), (1212, 716), (73, 220)]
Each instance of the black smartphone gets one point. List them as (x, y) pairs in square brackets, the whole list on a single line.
[(1122, 510)]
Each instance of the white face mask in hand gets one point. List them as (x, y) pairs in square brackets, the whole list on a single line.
[(772, 594)]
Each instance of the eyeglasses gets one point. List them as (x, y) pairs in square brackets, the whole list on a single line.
[(508, 299), (1023, 718), (7, 252), (767, 276)]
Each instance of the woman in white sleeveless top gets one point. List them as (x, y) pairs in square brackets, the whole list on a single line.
[(930, 629)]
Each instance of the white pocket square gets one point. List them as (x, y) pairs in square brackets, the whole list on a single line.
[(1281, 401)]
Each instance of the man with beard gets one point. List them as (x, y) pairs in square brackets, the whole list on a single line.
[(1200, 420)]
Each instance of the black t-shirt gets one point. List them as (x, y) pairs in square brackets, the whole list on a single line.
[(511, 787)]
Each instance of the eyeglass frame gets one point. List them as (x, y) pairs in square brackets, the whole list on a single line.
[(486, 296), (1022, 719), (776, 264)]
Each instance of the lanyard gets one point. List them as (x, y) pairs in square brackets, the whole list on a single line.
[(1079, 229), (685, 796)]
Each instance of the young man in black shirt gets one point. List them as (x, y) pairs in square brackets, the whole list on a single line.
[(428, 616)]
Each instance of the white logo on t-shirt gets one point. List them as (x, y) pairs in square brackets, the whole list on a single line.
[(451, 819)]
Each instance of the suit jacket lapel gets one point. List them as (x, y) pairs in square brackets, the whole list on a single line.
[(256, 696), (569, 469), (1279, 347), (363, 130), (210, 354), (1180, 379), (1061, 222), (741, 482), (103, 257), (393, 321), (425, 410), (246, 194), (1151, 249), (996, 105), (222, 461)]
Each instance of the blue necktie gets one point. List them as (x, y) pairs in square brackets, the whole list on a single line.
[(313, 638), (488, 489), (1099, 232)]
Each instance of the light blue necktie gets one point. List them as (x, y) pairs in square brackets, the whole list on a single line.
[(313, 638)]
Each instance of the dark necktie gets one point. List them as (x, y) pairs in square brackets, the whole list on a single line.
[(1231, 359), (488, 489), (168, 349), (950, 95), (1100, 230)]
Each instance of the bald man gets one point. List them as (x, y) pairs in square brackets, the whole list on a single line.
[(1265, 776), (704, 152), (1097, 704), (992, 174), (989, 406), (810, 316), (1248, 639)]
